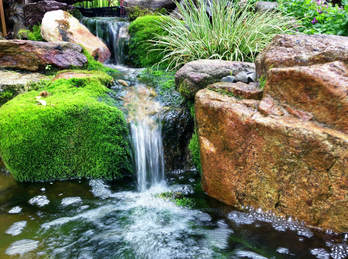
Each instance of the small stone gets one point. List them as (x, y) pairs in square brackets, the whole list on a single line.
[(242, 77), (123, 83), (229, 79)]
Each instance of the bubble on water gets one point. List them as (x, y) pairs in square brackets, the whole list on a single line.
[(248, 254), (241, 218), (70, 200), (40, 200), (100, 189), (43, 189), (320, 253), (339, 251), (15, 210), (22, 246), (283, 250), (16, 228)]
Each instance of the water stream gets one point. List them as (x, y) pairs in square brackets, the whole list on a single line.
[(160, 215)]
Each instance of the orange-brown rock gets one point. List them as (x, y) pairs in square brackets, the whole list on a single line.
[(320, 90), (302, 50), (62, 26), (279, 163), (238, 89)]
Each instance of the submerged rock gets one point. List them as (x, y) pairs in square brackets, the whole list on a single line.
[(12, 83), (36, 56), (288, 152), (197, 74), (62, 26)]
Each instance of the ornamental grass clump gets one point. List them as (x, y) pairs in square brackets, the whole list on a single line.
[(220, 30)]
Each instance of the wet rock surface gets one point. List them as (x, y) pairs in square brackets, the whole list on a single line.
[(35, 55), (288, 152), (61, 26), (198, 74), (12, 83)]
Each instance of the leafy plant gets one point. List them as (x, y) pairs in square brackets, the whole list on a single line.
[(33, 34), (317, 16), (230, 32), (135, 12)]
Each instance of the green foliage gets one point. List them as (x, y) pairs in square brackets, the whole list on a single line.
[(195, 151), (143, 31), (94, 65), (262, 82), (7, 95), (76, 134), (98, 3), (179, 199), (232, 32), (34, 34), (135, 12), (317, 16)]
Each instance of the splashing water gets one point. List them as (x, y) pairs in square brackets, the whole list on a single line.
[(113, 31), (146, 136)]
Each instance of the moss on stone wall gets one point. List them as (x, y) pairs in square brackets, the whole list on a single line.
[(78, 133)]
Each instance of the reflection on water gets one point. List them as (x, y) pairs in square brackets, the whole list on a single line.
[(96, 219)]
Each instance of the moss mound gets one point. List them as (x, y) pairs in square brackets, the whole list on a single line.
[(142, 31), (76, 132)]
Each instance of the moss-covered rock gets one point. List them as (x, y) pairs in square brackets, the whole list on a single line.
[(141, 50), (73, 130)]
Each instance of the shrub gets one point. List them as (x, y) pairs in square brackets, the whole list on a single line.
[(232, 32), (136, 11), (141, 48), (34, 34), (317, 16), (78, 133)]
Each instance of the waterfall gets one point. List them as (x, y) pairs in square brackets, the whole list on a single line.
[(113, 31), (143, 115)]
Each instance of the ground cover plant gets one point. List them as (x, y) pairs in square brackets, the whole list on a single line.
[(317, 16), (232, 31)]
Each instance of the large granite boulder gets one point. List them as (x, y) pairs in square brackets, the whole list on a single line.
[(151, 4), (35, 55), (34, 12), (12, 83), (286, 153), (301, 50), (62, 26), (198, 74)]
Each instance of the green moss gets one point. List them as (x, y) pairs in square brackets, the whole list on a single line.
[(164, 83), (7, 95), (77, 134), (143, 31), (34, 34), (95, 65), (262, 82), (179, 199), (195, 151)]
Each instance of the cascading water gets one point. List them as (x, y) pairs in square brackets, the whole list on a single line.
[(146, 136), (113, 31)]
